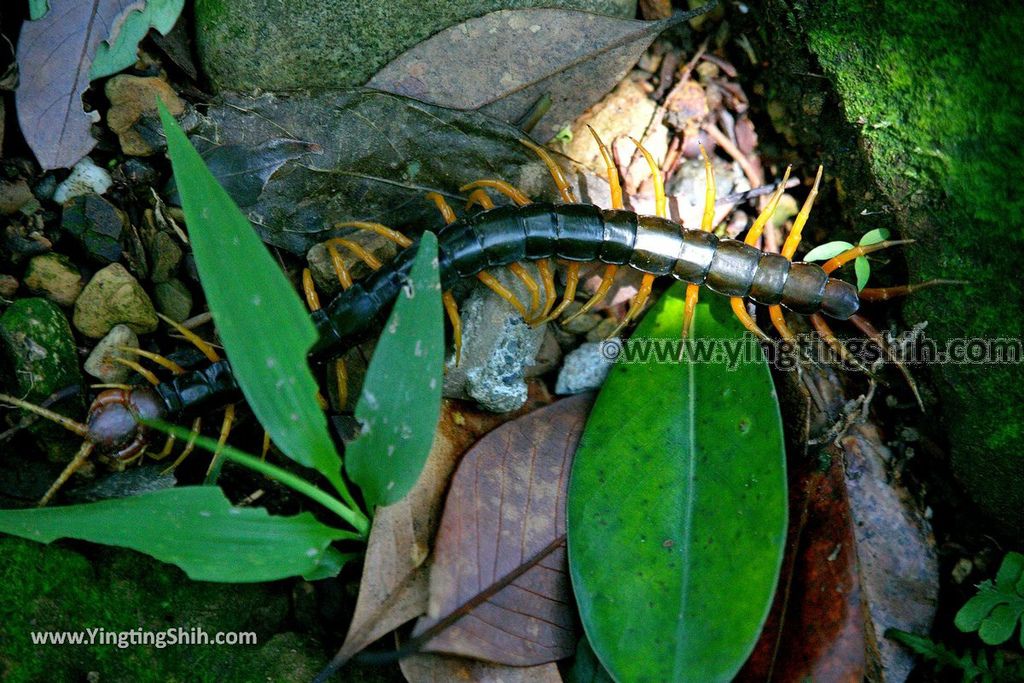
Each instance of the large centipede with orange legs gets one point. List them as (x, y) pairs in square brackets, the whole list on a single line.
[(571, 232)]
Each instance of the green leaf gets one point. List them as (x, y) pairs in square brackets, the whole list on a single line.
[(874, 237), (974, 611), (677, 504), (194, 527), (824, 252), (998, 626), (265, 329), (401, 397), (862, 267), (996, 609), (37, 9), (1011, 571), (111, 58)]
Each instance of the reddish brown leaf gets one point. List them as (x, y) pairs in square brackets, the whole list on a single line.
[(394, 586), (499, 587), (442, 669), (815, 630), (54, 56)]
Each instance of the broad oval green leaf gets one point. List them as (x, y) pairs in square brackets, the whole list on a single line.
[(265, 329), (677, 503), (824, 252), (401, 396), (862, 267), (196, 528), (874, 237)]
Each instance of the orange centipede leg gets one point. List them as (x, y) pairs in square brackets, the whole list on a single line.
[(204, 346), (555, 170), (886, 293), (602, 290), (361, 253), (739, 309), (189, 446), (519, 270), (55, 417), (789, 248), (826, 333), (225, 431), (503, 292), (378, 228), (447, 213), (341, 381), (707, 225), (613, 173), (266, 445), (479, 197), (340, 269), (162, 361), (507, 189), (547, 277), (452, 309), (572, 278), (637, 304), (143, 372), (309, 289)]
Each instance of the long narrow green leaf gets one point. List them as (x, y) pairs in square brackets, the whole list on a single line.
[(401, 397), (196, 528), (677, 504), (265, 329)]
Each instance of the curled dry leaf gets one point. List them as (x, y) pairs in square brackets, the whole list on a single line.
[(54, 57), (394, 584), (499, 585), (573, 57)]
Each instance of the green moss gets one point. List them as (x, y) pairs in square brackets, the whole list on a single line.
[(272, 45), (924, 131)]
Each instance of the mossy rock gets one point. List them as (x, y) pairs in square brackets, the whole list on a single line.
[(918, 120), (37, 359), (272, 45)]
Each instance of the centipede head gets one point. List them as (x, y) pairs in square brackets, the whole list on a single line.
[(114, 421)]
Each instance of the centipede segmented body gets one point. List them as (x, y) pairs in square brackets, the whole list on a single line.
[(570, 232)]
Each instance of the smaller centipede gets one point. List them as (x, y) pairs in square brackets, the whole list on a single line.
[(503, 236)]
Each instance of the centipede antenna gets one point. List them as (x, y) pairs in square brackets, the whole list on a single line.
[(266, 446), (145, 373), (886, 293), (447, 213), (865, 326), (341, 381), (555, 170), (379, 228), (83, 454), (547, 276), (826, 333), (850, 254), (452, 309), (739, 309), (637, 304), (204, 346), (531, 285), (309, 289), (361, 253), (225, 430), (572, 278), (602, 290), (189, 446), (340, 269), (162, 361), (793, 240), (660, 203), (507, 189), (503, 292), (479, 197), (613, 172), (754, 234), (55, 417)]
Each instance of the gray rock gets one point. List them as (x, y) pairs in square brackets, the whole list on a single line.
[(584, 369), (164, 256), (321, 267), (38, 350), (14, 194), (113, 296), (270, 45), (497, 347), (549, 355), (581, 324), (55, 277), (173, 299), (603, 330), (96, 224), (8, 286), (86, 177), (100, 363)]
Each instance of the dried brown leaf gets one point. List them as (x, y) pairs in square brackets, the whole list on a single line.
[(502, 63), (394, 586), (442, 669), (499, 587), (54, 57)]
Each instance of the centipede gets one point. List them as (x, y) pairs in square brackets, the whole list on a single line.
[(568, 234)]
